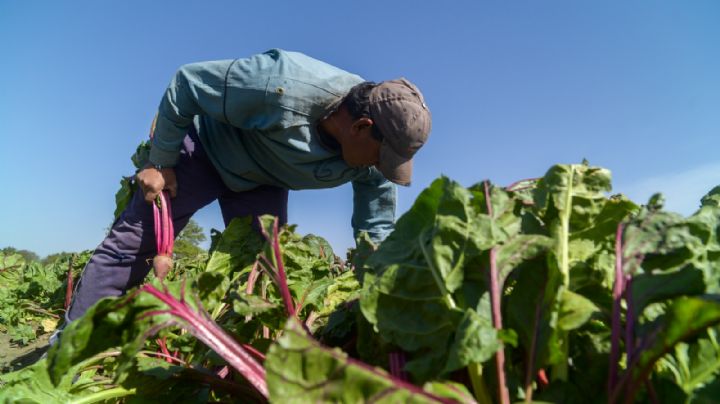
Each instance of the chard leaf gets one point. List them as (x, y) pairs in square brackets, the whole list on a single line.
[(530, 309), (518, 250), (652, 288), (123, 195), (712, 198), (684, 318), (569, 199), (111, 322), (387, 305), (476, 340), (575, 310), (661, 241), (249, 305), (343, 289), (451, 390), (404, 298), (450, 236), (33, 385), (573, 193), (300, 370), (10, 265), (693, 365), (233, 253)]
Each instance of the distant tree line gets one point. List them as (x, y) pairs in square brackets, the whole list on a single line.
[(187, 244)]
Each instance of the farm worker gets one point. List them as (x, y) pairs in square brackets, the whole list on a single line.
[(244, 132)]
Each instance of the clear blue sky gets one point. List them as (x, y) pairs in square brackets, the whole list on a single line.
[(514, 87)]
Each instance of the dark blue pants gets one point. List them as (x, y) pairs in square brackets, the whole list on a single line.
[(124, 258)]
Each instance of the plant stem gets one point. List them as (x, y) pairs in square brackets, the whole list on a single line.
[(560, 370), (436, 275), (495, 296), (618, 289), (69, 290), (482, 394), (629, 320), (104, 395), (281, 276), (529, 373), (503, 394)]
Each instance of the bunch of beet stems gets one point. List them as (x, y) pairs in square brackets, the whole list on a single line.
[(164, 235)]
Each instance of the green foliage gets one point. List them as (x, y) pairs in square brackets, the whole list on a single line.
[(28, 256), (187, 243), (300, 370), (128, 185), (586, 297), (32, 298)]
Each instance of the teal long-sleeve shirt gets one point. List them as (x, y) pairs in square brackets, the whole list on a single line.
[(257, 117)]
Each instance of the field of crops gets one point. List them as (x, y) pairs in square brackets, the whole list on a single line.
[(547, 290)]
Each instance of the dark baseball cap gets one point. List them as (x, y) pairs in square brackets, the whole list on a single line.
[(398, 109)]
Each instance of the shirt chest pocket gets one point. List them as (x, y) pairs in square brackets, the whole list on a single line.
[(296, 102)]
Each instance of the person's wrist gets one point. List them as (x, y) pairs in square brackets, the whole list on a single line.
[(158, 167)]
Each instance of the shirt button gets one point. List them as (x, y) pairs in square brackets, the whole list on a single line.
[(280, 90)]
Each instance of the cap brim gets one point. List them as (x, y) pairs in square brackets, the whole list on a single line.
[(394, 167)]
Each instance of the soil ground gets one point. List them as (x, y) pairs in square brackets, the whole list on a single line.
[(14, 356)]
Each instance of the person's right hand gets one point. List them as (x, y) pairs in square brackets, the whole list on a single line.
[(153, 181)]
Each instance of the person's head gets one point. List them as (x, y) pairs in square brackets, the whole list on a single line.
[(383, 125)]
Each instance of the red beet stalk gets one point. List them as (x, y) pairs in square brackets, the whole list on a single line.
[(281, 277), (164, 235), (495, 299), (397, 365), (69, 291), (203, 328)]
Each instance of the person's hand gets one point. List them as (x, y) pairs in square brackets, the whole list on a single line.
[(153, 181)]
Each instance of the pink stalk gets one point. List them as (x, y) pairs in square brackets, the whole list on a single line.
[(164, 230), (281, 277), (618, 289), (164, 235), (165, 225), (514, 186), (170, 238), (222, 373), (203, 328), (252, 279), (259, 356), (163, 348), (495, 296), (168, 358), (265, 329), (158, 233), (629, 321), (397, 363), (69, 290)]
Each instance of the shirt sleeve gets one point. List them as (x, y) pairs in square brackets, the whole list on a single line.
[(229, 91), (374, 201)]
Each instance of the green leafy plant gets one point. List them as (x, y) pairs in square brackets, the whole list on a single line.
[(548, 290)]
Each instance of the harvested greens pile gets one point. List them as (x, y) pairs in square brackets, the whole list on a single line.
[(547, 290)]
